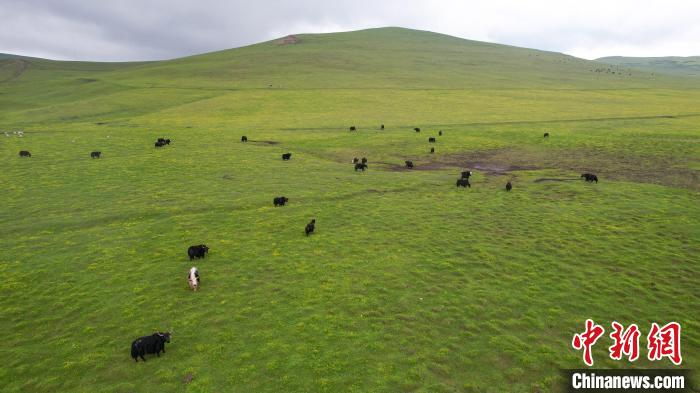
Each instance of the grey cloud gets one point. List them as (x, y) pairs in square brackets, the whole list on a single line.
[(158, 29)]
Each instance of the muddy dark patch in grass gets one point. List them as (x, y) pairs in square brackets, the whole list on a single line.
[(264, 142), (613, 165), (542, 179), (484, 161)]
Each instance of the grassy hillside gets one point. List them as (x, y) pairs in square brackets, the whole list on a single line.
[(684, 66), (409, 284)]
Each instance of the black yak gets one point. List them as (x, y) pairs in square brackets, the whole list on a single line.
[(431, 140), (416, 129), (409, 164), (197, 251), (286, 156), (244, 138), (382, 127), (310, 227), (95, 154), (546, 135), (432, 150), (589, 177), (466, 174), (509, 186), (24, 153), (280, 201), (353, 128), (440, 133), (154, 343), (463, 182)]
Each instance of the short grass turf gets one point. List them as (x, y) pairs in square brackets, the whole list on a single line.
[(408, 284)]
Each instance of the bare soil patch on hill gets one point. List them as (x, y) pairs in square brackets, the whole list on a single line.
[(288, 40)]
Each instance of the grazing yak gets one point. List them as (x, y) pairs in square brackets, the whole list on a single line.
[(164, 141), (353, 128), (159, 144), (244, 138), (589, 177), (154, 343), (310, 227), (466, 174), (197, 251), (440, 133), (24, 153), (286, 156), (416, 129), (509, 186), (382, 127), (364, 160), (95, 154), (409, 164), (432, 150), (463, 183), (360, 166), (546, 135), (280, 201), (431, 140), (193, 278)]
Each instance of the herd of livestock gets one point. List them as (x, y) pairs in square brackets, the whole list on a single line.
[(155, 343)]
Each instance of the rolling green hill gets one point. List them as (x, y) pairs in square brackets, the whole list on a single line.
[(374, 58), (684, 66), (409, 283)]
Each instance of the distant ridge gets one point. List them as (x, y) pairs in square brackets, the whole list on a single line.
[(675, 65)]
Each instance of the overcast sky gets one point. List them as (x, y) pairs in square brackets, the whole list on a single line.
[(120, 30)]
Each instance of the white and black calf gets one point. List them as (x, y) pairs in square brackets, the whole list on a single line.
[(193, 278)]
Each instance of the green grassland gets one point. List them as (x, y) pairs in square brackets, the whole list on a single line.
[(409, 284)]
